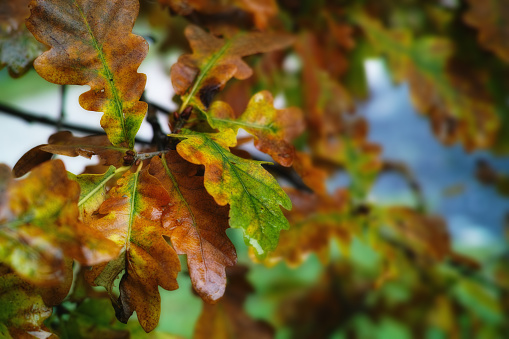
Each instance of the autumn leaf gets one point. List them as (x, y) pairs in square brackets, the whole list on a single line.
[(490, 18), (261, 10), (227, 319), (93, 190), (91, 44), (64, 143), (18, 48), (274, 129), (215, 61), (253, 194), (458, 111), (424, 234), (313, 176), (39, 225), (23, 311), (196, 224), (131, 217), (314, 221)]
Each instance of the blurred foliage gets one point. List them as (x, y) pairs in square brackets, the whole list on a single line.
[(336, 264)]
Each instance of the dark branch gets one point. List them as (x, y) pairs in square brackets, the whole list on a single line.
[(51, 122)]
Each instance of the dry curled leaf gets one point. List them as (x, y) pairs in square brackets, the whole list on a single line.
[(91, 44), (64, 143), (197, 225)]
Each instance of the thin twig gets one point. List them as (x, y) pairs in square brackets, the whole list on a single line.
[(51, 122), (63, 96)]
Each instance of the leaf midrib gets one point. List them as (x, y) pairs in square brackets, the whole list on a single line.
[(109, 75)]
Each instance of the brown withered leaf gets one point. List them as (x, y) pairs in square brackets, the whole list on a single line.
[(91, 44), (64, 143), (39, 226), (314, 221), (215, 61), (131, 217), (261, 10), (196, 224), (227, 319), (490, 18), (18, 48), (274, 129)]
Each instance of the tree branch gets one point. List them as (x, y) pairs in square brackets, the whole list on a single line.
[(51, 122)]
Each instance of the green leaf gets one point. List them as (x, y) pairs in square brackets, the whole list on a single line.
[(253, 194), (22, 310), (274, 129)]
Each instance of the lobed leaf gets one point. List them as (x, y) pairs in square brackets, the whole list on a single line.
[(215, 61), (274, 129), (64, 143), (131, 217), (39, 226), (91, 44), (253, 194), (23, 311), (196, 225)]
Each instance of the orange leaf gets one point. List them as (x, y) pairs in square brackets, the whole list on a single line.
[(215, 61), (274, 129), (92, 44), (197, 225), (39, 225), (131, 217)]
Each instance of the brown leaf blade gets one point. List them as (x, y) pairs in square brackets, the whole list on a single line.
[(91, 44), (197, 225), (214, 61), (131, 217)]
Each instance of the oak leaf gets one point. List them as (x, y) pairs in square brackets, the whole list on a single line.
[(64, 143), (274, 129), (23, 311), (214, 61), (131, 217), (253, 194), (196, 224), (91, 44), (490, 18), (39, 226)]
